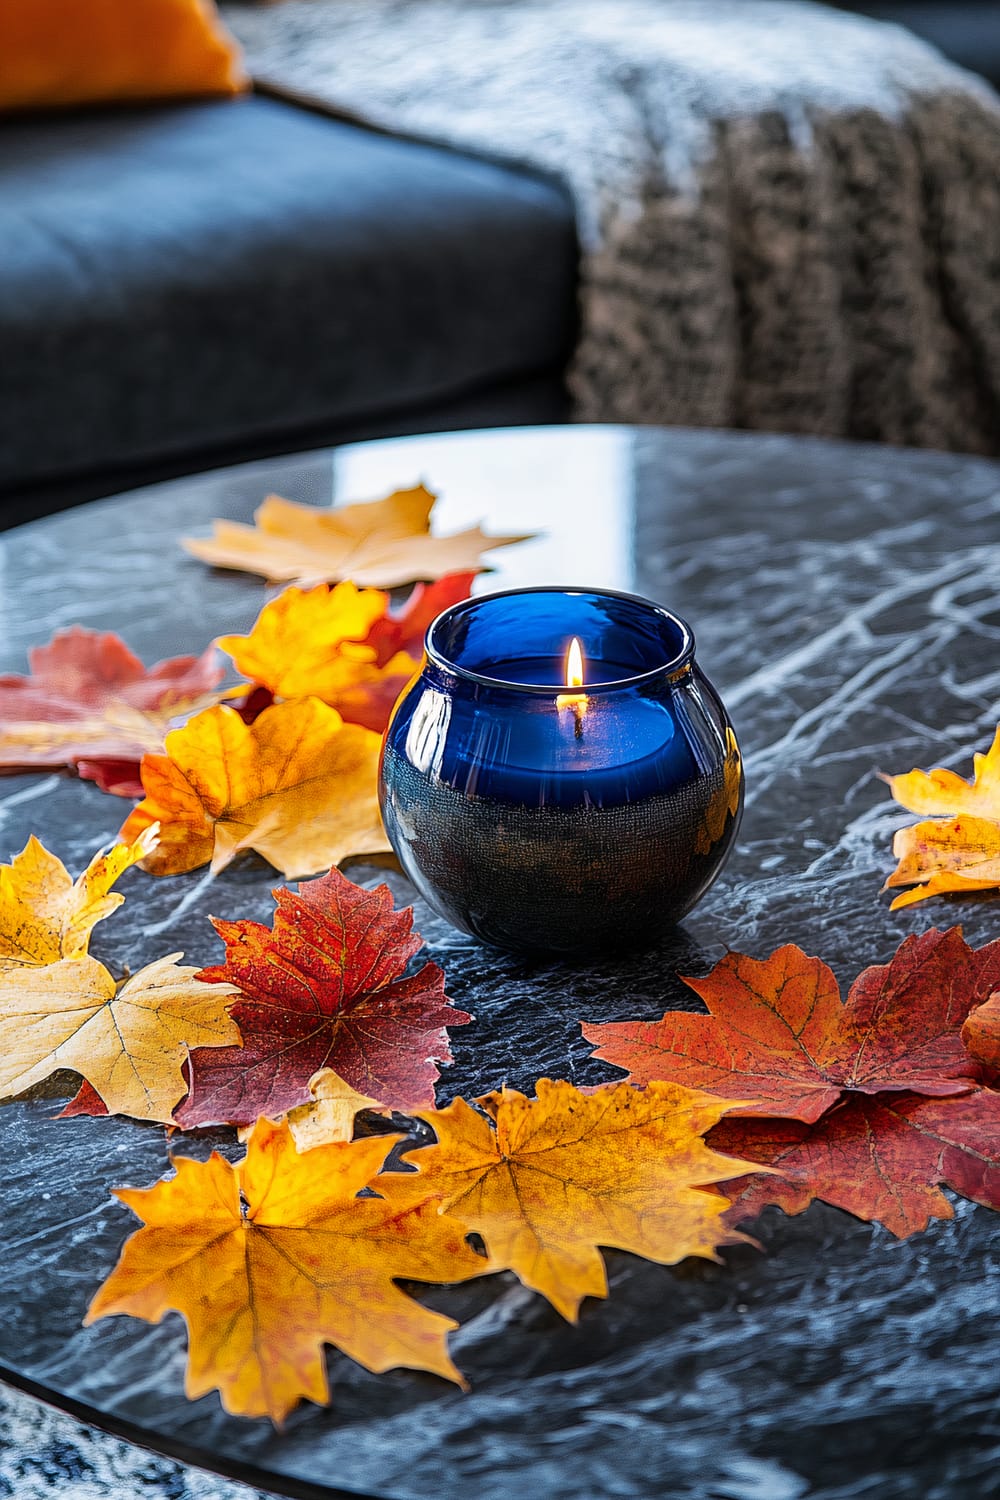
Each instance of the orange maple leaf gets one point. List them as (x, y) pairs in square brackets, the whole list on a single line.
[(272, 1258), (779, 1035), (298, 785), (957, 849), (381, 543), (552, 1178), (46, 915), (981, 1033)]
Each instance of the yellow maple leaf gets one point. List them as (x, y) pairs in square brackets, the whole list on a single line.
[(45, 915), (128, 1040), (566, 1172), (310, 643), (379, 543), (956, 849), (298, 786), (270, 1259)]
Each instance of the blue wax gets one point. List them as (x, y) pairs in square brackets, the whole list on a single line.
[(484, 719)]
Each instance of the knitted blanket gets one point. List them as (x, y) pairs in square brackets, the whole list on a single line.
[(790, 216)]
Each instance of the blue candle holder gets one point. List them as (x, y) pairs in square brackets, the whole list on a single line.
[(552, 811)]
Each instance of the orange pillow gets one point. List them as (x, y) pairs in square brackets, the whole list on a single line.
[(59, 52)]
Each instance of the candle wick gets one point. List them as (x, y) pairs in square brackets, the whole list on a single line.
[(578, 721)]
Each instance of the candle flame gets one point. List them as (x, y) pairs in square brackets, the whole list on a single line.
[(574, 664), (574, 679)]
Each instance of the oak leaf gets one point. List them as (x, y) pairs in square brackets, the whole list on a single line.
[(881, 1157), (981, 1033), (128, 1040), (548, 1180), (46, 915), (956, 849), (779, 1036), (323, 989), (269, 1260), (89, 702), (298, 785), (379, 544)]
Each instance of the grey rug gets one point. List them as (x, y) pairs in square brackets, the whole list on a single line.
[(790, 216), (45, 1454)]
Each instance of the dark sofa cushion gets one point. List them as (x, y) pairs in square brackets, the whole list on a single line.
[(194, 277)]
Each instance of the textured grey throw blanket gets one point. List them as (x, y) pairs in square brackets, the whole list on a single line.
[(790, 216)]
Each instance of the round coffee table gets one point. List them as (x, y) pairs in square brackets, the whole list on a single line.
[(844, 600)]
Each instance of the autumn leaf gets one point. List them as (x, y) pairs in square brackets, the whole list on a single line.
[(329, 1114), (309, 642), (342, 644), (398, 642), (882, 1157), (90, 703), (981, 1033), (725, 802), (269, 1260), (127, 1040), (958, 848), (378, 544), (405, 630), (298, 785), (46, 915), (323, 989), (548, 1180), (778, 1034)]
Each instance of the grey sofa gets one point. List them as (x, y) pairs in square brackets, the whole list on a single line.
[(189, 285)]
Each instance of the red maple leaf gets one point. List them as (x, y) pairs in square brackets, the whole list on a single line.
[(778, 1033), (90, 702), (323, 989), (402, 633), (882, 1157), (405, 631)]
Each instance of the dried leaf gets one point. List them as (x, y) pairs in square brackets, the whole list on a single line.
[(309, 642), (557, 1176), (880, 1157), (778, 1034), (958, 850), (342, 645), (323, 989), (298, 785), (89, 698), (379, 544), (981, 1033), (329, 1115), (270, 1259), (127, 1040), (45, 915)]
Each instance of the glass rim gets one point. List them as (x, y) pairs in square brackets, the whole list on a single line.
[(673, 666)]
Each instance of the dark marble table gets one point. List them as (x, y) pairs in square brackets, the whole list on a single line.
[(845, 601)]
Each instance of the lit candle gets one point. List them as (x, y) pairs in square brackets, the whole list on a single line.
[(533, 837), (574, 679)]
